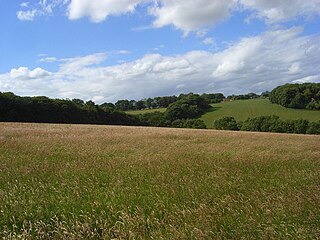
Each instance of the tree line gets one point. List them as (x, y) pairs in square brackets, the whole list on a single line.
[(180, 113), (247, 96), (301, 96), (164, 102), (160, 102), (14, 108), (268, 124)]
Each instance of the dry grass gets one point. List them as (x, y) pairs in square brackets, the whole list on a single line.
[(81, 181)]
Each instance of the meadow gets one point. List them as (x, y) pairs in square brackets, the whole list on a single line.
[(111, 182), (143, 111), (242, 109)]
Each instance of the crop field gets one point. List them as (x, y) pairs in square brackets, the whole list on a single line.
[(110, 182), (242, 109)]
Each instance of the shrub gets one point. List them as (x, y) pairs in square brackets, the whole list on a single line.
[(226, 123), (155, 119), (189, 123), (314, 128), (194, 123), (263, 124), (301, 126)]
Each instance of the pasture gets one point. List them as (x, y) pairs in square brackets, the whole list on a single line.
[(143, 111), (243, 109), (104, 182)]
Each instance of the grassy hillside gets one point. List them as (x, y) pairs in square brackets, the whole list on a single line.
[(242, 109), (81, 181), (146, 111)]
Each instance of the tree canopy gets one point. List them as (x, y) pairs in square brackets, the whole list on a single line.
[(45, 110), (301, 96)]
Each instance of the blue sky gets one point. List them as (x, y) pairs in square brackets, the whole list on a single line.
[(107, 50)]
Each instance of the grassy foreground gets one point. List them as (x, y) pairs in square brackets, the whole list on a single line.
[(81, 181), (243, 109)]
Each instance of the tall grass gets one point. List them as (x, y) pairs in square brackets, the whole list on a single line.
[(102, 182)]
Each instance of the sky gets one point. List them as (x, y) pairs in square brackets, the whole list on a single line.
[(106, 50)]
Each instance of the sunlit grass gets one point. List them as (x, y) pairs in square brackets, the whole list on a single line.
[(143, 111), (81, 181), (243, 109)]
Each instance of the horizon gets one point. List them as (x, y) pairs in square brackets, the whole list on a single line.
[(142, 99), (105, 50)]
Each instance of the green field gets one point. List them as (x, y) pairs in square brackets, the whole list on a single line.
[(109, 182), (146, 111), (242, 109)]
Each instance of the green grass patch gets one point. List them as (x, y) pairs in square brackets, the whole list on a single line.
[(242, 109), (146, 111)]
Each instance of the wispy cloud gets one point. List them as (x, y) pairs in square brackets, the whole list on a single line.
[(27, 15), (24, 4), (41, 8)]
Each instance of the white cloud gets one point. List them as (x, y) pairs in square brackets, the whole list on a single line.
[(41, 8), (42, 55), (252, 64), (79, 64), (190, 15), (294, 68), (27, 15), (24, 4), (121, 52), (99, 10), (282, 10), (186, 15), (23, 73), (208, 41), (195, 15), (48, 59), (314, 78)]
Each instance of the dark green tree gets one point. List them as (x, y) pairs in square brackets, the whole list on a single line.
[(226, 123)]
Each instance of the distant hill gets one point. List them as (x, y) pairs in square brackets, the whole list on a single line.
[(242, 109)]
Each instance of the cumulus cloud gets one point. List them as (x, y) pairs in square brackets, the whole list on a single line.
[(253, 64), (99, 10), (23, 73), (186, 15), (190, 15)]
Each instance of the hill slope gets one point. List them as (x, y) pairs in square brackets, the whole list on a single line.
[(103, 182), (136, 112), (242, 109)]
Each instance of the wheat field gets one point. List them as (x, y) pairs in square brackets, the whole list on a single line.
[(111, 182)]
